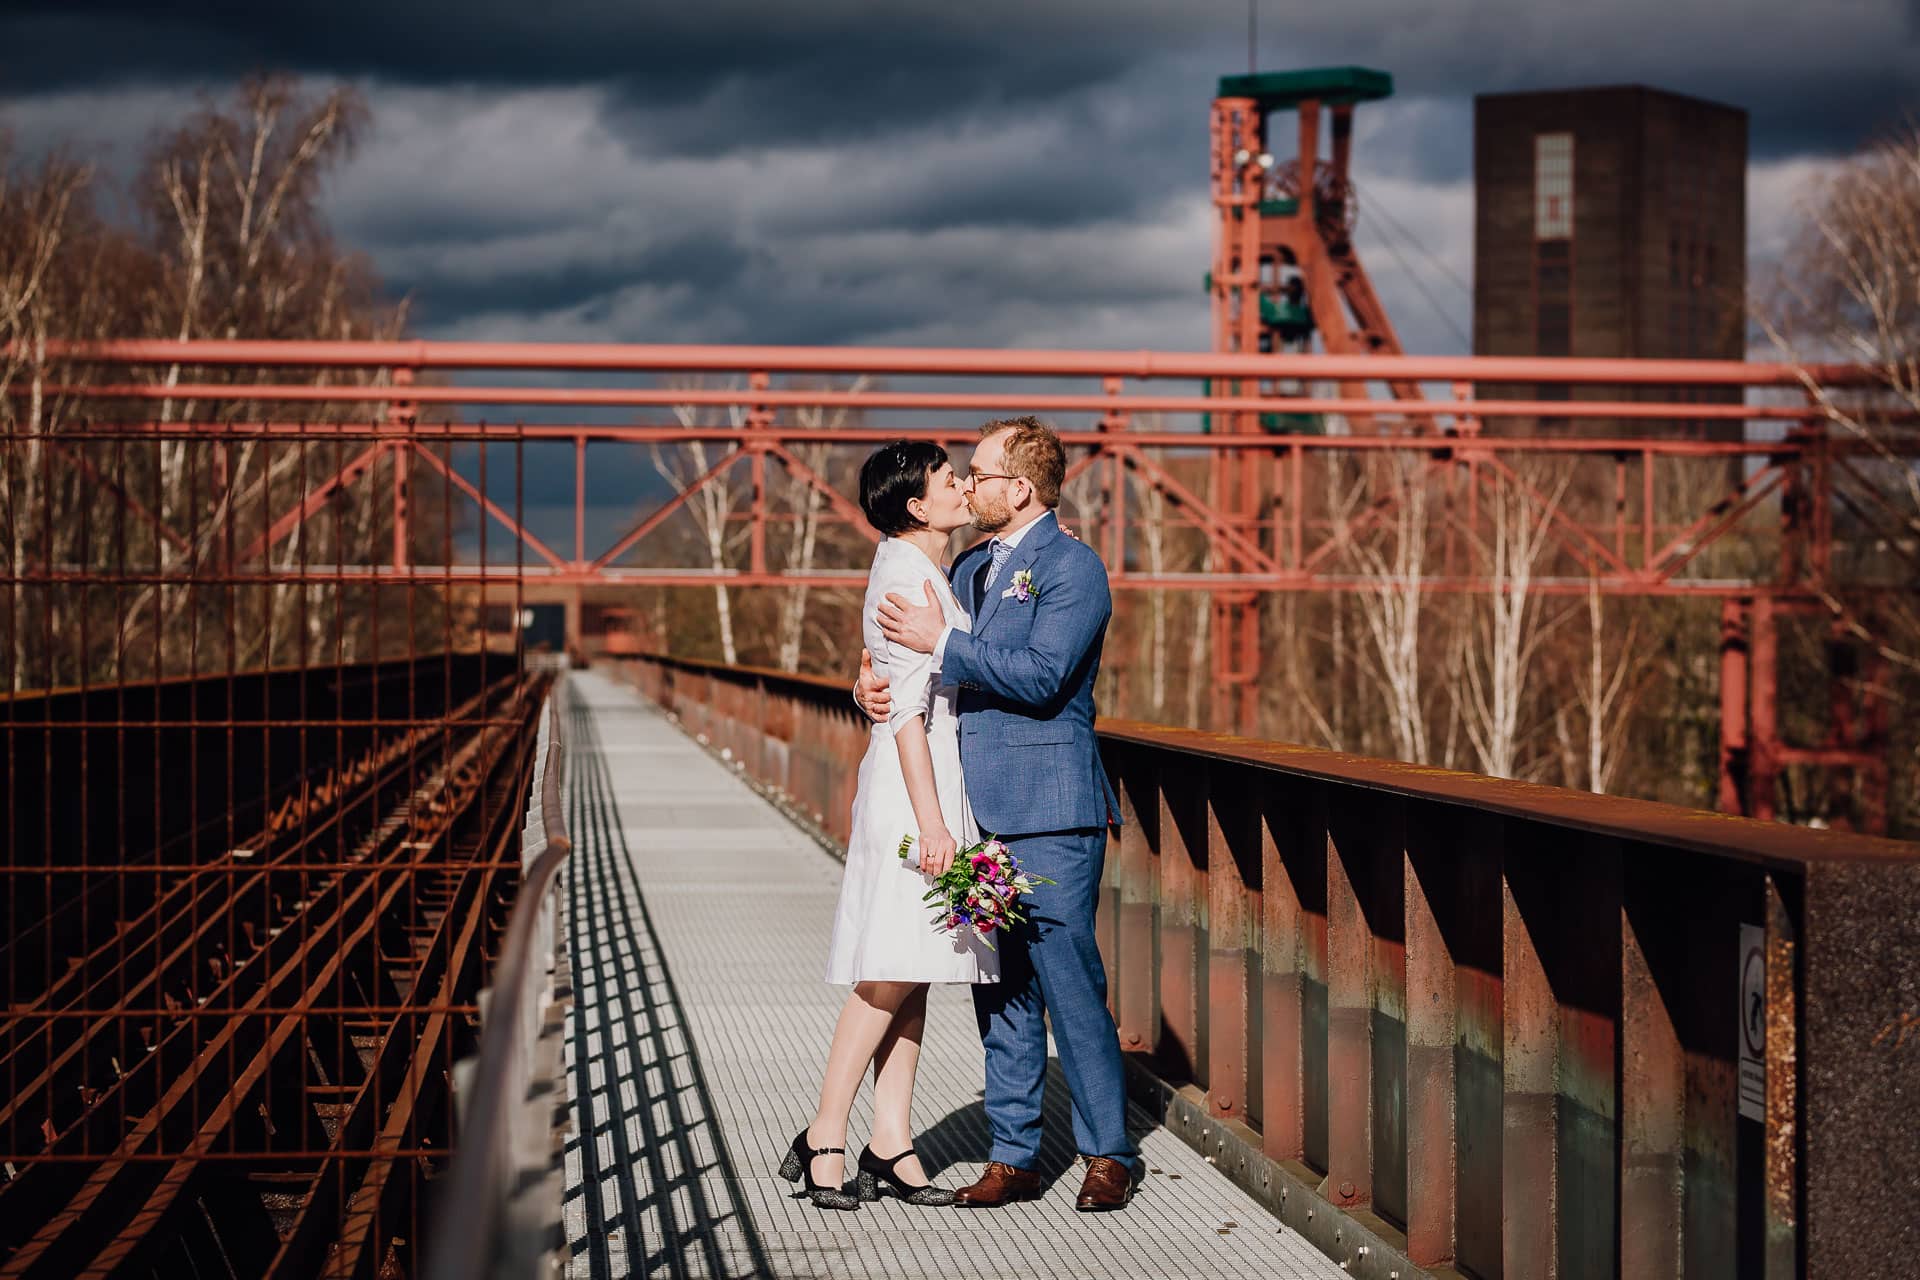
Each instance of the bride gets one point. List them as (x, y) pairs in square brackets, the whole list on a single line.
[(884, 939)]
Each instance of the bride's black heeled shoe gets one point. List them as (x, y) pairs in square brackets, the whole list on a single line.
[(799, 1165), (875, 1173)]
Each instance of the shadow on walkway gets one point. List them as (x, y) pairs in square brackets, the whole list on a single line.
[(648, 1144), (961, 1137)]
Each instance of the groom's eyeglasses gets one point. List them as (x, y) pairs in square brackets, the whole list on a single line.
[(974, 477)]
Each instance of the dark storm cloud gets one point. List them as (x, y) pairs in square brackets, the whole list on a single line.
[(839, 61), (737, 71), (999, 172)]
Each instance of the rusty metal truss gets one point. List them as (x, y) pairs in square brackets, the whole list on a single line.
[(1719, 480)]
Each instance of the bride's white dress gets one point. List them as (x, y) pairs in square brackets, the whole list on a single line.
[(882, 930)]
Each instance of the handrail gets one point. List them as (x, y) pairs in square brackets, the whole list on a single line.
[(473, 1197), (1766, 843), (1437, 1020), (1136, 364)]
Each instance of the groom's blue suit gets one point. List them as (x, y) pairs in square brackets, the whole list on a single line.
[(1026, 673)]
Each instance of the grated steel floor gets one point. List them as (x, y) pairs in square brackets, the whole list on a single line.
[(698, 921)]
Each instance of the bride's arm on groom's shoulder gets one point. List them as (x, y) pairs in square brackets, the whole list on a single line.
[(1070, 609)]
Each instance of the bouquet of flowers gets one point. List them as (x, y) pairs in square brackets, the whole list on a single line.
[(981, 890)]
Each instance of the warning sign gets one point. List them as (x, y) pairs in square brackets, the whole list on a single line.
[(1753, 1022)]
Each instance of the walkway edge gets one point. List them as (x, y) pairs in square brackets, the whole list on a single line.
[(1354, 1241)]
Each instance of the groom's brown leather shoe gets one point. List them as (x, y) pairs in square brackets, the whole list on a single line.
[(999, 1184), (1109, 1185)]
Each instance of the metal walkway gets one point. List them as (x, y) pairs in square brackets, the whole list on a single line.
[(698, 920)]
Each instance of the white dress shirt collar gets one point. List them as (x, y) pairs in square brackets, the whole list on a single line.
[(1013, 539)]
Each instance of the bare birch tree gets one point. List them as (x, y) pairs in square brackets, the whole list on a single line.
[(1615, 675), (1391, 556), (227, 242), (807, 505), (35, 210), (1853, 294), (1505, 626), (712, 507)]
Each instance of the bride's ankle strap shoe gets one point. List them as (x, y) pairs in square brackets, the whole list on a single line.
[(876, 1173), (798, 1165)]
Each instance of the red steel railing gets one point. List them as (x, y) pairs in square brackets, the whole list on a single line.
[(1497, 1026)]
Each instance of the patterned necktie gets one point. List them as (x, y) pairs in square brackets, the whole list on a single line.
[(1000, 550)]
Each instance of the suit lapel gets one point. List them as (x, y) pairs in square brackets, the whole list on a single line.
[(963, 573), (1044, 530)]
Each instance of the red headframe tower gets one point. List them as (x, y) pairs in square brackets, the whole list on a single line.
[(1284, 269)]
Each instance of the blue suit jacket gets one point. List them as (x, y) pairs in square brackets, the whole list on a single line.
[(1026, 674)]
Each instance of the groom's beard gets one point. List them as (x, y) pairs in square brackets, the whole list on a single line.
[(991, 517)]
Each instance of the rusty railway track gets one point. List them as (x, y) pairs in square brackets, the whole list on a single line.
[(249, 1073), (58, 1048)]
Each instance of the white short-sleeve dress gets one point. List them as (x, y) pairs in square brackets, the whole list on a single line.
[(883, 930)]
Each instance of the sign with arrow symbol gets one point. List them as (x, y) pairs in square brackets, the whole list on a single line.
[(1753, 1022)]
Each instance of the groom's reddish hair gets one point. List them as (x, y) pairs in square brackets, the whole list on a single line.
[(1034, 453)]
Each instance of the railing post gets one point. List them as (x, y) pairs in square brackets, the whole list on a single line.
[(1561, 1167), (1134, 991), (1529, 1114), (1432, 1003), (1366, 983), (1233, 910), (1293, 898), (1182, 1047), (1653, 1081)]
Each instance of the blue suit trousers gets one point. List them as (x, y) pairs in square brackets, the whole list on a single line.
[(1050, 967)]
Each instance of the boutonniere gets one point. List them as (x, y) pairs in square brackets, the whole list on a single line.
[(1023, 588)]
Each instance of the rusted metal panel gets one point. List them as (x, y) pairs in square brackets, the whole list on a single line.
[(1350, 981), (1293, 875), (1234, 866), (1432, 1003), (1652, 1078), (1382, 902), (1475, 936), (1181, 1050), (1529, 1163), (1585, 972), (1135, 989)]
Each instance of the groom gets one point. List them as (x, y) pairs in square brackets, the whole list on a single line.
[(1040, 604)]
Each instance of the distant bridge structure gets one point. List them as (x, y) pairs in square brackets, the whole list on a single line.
[(1799, 519)]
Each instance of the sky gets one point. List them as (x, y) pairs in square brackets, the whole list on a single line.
[(998, 173)]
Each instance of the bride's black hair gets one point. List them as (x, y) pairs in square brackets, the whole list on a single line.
[(895, 474)]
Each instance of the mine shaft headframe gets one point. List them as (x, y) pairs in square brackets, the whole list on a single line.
[(1282, 219)]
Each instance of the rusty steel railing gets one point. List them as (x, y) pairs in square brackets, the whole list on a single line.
[(505, 1131), (1500, 1028)]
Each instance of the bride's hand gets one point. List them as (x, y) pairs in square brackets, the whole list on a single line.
[(870, 692), (937, 848)]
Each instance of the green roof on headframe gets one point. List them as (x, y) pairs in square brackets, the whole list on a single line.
[(1279, 90)]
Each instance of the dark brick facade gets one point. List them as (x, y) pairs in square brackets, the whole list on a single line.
[(1655, 262)]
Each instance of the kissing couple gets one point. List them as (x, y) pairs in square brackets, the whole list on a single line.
[(979, 678)]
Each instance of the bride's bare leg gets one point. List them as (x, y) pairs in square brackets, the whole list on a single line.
[(864, 1021), (894, 1066)]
